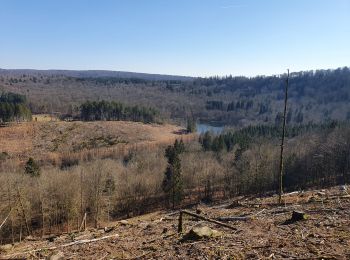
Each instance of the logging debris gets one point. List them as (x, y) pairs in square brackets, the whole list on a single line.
[(325, 234)]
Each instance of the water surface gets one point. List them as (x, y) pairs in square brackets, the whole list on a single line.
[(202, 128)]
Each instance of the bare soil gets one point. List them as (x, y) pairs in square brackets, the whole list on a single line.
[(266, 233)]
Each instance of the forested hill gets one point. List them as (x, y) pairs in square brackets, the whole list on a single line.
[(92, 74), (314, 96)]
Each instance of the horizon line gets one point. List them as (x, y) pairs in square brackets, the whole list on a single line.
[(175, 75)]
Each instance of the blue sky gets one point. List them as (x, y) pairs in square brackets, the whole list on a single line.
[(185, 37)]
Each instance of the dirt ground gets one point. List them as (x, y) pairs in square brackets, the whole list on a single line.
[(263, 232)]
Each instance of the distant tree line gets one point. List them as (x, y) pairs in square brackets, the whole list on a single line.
[(232, 106), (314, 95), (111, 80), (13, 107), (325, 79), (114, 111), (248, 135), (214, 105)]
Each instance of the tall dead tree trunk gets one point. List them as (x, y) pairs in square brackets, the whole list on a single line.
[(282, 142)]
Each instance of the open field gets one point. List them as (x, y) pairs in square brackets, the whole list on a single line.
[(266, 232), (45, 138), (44, 118)]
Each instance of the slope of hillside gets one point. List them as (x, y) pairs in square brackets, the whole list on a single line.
[(45, 138), (314, 96), (263, 232)]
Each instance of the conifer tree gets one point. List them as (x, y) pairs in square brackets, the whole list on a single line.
[(173, 183), (191, 125)]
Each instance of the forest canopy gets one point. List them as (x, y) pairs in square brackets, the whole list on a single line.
[(313, 96), (115, 111)]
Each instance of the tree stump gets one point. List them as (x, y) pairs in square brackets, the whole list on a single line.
[(298, 215)]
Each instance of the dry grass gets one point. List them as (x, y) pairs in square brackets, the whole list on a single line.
[(16, 139), (53, 139), (44, 118)]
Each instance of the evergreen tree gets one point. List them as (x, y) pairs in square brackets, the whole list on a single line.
[(206, 141), (231, 106), (173, 183), (13, 107), (218, 143), (299, 118), (191, 125)]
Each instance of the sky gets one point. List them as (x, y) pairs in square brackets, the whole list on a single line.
[(179, 37)]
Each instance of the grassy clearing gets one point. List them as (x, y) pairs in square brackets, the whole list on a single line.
[(43, 137), (44, 118)]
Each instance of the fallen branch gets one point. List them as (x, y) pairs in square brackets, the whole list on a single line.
[(322, 210), (240, 218), (202, 218), (259, 212), (291, 193), (339, 197), (103, 257), (5, 219), (172, 213), (234, 218), (79, 242)]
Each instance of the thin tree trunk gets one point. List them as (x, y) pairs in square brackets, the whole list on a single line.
[(42, 220), (81, 195), (173, 195), (10, 207), (23, 211), (20, 233), (41, 210), (282, 143)]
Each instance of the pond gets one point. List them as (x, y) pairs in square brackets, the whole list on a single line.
[(202, 128)]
